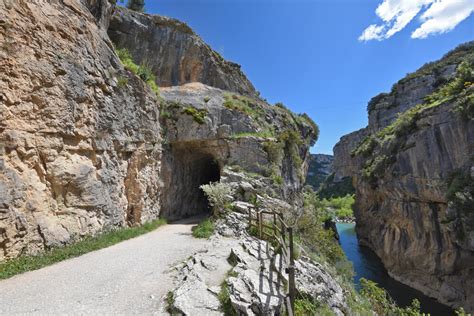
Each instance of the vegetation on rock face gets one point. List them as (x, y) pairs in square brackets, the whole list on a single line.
[(224, 299), (204, 229), (288, 143), (460, 191), (142, 71), (298, 121), (459, 90), (383, 304), (88, 244), (198, 115), (219, 196), (309, 227), (244, 104), (462, 52), (308, 306)]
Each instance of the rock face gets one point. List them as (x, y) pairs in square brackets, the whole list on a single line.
[(320, 167), (175, 53), (207, 129), (414, 184), (81, 137), (80, 154)]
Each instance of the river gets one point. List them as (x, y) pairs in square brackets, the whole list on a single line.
[(368, 265)]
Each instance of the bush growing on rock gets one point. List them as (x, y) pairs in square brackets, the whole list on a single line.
[(219, 195), (383, 304), (143, 71)]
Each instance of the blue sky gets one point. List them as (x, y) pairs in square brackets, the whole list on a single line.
[(306, 53)]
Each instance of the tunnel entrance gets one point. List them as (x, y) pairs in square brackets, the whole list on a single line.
[(184, 170)]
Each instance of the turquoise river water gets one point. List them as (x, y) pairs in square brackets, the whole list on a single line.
[(368, 265)]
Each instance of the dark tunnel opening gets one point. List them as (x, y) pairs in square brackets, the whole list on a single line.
[(185, 169)]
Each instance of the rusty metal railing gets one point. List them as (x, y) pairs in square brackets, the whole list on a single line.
[(279, 231)]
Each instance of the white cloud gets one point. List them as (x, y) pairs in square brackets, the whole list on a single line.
[(439, 16)]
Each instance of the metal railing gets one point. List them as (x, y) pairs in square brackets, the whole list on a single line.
[(279, 231)]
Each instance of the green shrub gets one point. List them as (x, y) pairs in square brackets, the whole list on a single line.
[(198, 115), (383, 304), (219, 196), (88, 244), (204, 229), (310, 230), (274, 151), (276, 178), (465, 105), (305, 306), (460, 192), (315, 135)]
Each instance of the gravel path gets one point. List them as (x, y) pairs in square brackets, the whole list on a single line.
[(128, 278)]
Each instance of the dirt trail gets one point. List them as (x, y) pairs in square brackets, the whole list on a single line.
[(128, 278)]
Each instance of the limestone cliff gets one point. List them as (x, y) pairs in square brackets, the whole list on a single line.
[(84, 147), (412, 168), (175, 53), (206, 129), (80, 153)]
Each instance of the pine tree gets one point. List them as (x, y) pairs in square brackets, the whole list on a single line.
[(136, 5)]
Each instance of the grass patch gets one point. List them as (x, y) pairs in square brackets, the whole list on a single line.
[(88, 244), (245, 105), (204, 229)]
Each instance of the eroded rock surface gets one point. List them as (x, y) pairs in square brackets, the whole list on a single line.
[(175, 53), (402, 185), (206, 129), (79, 153)]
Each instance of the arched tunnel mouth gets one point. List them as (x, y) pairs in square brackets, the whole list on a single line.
[(186, 167)]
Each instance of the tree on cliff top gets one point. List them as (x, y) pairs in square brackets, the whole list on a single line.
[(136, 5)]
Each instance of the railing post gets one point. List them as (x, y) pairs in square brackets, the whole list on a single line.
[(275, 225), (250, 218), (260, 223), (283, 233), (291, 270)]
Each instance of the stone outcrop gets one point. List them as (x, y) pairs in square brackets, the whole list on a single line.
[(80, 154), (206, 129), (175, 53), (414, 184)]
